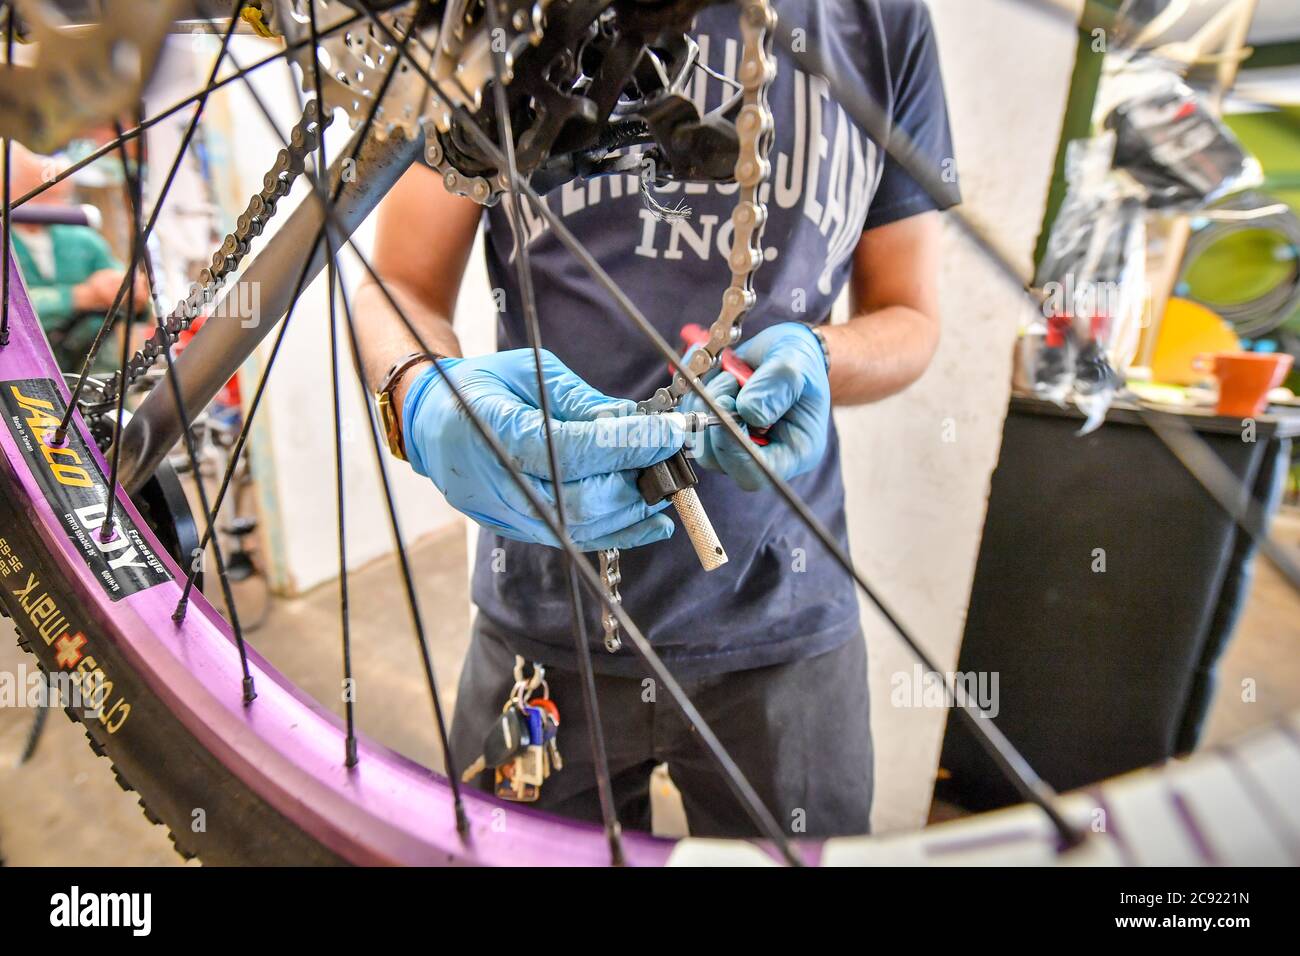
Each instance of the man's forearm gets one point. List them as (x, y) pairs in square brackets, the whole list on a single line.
[(876, 354), (383, 337)]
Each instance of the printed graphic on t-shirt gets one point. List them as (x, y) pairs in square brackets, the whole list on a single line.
[(823, 168)]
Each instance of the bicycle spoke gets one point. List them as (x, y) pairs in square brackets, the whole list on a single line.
[(106, 530), (255, 403), (1230, 493), (523, 269), (404, 564), (237, 449), (136, 188), (298, 289), (331, 287), (242, 439), (320, 190)]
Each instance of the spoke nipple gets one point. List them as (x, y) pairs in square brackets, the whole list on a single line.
[(1070, 839), (351, 753), (462, 818), (182, 606), (250, 693), (616, 857)]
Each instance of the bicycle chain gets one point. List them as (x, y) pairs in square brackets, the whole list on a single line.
[(289, 165), (611, 577), (755, 125)]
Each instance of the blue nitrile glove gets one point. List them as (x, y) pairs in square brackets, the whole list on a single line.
[(789, 391), (600, 444)]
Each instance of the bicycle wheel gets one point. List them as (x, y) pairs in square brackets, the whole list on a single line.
[(226, 752)]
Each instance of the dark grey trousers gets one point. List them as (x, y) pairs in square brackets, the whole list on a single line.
[(799, 732)]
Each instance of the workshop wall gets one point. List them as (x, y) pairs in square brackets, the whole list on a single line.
[(917, 466)]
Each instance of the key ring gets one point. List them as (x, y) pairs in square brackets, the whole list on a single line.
[(516, 698), (524, 687)]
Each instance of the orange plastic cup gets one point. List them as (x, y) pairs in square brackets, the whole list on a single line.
[(1246, 378)]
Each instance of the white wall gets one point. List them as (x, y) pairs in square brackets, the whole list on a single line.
[(917, 499)]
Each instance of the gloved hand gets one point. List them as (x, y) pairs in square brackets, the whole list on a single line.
[(600, 444), (789, 391)]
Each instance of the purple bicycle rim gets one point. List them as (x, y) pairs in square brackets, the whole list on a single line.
[(285, 746)]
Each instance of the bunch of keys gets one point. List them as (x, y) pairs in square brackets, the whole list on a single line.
[(521, 745)]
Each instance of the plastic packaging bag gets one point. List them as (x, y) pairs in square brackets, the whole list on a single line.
[(1182, 155), (1093, 281)]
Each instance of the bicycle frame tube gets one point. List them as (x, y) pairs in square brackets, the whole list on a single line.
[(254, 304)]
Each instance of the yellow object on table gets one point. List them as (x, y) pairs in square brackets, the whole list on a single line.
[(1189, 330)]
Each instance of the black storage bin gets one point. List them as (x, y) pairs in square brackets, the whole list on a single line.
[(1101, 672)]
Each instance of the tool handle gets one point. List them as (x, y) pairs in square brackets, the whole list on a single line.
[(694, 334), (699, 529)]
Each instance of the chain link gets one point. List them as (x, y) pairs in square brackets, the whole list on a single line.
[(754, 125), (611, 577)]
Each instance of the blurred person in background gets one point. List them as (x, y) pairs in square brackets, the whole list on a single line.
[(71, 274)]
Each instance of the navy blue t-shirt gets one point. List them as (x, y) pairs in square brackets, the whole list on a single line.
[(781, 597)]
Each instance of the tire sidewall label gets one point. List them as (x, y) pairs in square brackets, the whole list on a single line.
[(75, 488)]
